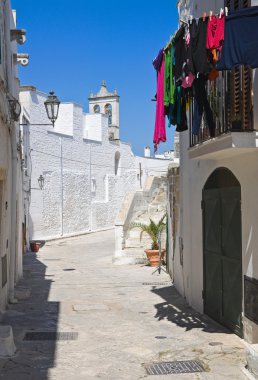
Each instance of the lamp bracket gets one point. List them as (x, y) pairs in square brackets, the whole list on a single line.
[(21, 58), (19, 35)]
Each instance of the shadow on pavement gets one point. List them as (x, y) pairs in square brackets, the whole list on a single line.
[(35, 314), (176, 310)]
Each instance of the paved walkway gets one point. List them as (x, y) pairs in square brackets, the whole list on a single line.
[(123, 317)]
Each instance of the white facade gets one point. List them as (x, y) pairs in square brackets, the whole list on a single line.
[(86, 176), (236, 152), (11, 190)]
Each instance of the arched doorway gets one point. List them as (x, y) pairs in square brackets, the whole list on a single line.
[(222, 249)]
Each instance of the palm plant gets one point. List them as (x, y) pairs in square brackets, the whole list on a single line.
[(152, 229)]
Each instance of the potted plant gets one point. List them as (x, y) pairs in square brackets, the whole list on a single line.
[(35, 245), (153, 230)]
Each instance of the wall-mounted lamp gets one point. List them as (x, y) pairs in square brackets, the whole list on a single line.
[(41, 181), (14, 108), (52, 107)]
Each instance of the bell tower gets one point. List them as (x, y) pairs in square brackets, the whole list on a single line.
[(107, 103)]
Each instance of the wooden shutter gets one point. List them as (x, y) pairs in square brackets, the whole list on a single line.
[(239, 84)]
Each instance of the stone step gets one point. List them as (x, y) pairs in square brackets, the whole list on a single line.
[(7, 347), (137, 243), (132, 256)]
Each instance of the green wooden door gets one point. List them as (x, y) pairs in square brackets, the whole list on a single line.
[(223, 256)]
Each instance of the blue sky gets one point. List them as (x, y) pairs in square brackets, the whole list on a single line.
[(74, 45)]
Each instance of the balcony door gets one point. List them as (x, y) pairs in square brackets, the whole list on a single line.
[(222, 249)]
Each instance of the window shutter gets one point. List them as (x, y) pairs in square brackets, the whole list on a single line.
[(239, 84)]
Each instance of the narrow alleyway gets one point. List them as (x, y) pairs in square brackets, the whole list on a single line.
[(125, 318)]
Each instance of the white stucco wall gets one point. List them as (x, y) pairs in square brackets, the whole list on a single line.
[(92, 126), (81, 190), (193, 176), (11, 202), (152, 167), (199, 7)]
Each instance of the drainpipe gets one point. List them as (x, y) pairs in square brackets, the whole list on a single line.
[(13, 236), (61, 186), (90, 195)]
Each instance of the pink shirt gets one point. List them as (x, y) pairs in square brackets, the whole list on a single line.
[(215, 32), (160, 125)]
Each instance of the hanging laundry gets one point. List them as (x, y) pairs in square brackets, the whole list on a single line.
[(188, 76), (200, 57), (213, 74), (188, 80), (178, 116), (160, 128), (215, 32), (241, 39), (169, 86), (201, 105), (192, 44), (180, 54), (158, 60)]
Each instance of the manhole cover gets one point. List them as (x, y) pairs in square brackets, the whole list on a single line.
[(156, 283), (190, 366), (68, 269), (215, 344), (51, 335), (160, 337)]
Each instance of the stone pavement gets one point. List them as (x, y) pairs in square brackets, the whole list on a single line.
[(123, 317)]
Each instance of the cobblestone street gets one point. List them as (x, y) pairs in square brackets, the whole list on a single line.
[(125, 318)]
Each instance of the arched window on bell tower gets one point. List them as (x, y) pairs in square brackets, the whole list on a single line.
[(108, 112), (96, 108)]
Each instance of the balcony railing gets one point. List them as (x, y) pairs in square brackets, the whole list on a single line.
[(230, 99)]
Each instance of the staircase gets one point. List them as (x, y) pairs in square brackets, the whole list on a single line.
[(139, 207)]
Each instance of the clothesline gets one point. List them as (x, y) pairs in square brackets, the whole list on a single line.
[(222, 11)]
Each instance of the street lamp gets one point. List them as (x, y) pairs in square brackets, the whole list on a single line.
[(52, 107), (41, 181)]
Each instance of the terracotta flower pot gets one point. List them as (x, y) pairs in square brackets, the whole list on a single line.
[(35, 246), (153, 256)]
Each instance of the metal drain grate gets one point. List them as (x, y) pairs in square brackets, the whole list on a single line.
[(168, 368), (216, 344), (52, 259), (156, 283), (50, 335)]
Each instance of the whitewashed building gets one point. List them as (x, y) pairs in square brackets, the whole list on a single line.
[(213, 199), (11, 189), (78, 172)]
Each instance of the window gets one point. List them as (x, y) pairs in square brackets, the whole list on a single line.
[(96, 108), (108, 112), (117, 163)]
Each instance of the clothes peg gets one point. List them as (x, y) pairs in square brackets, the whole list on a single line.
[(210, 15), (204, 16), (226, 11), (221, 12), (191, 19)]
